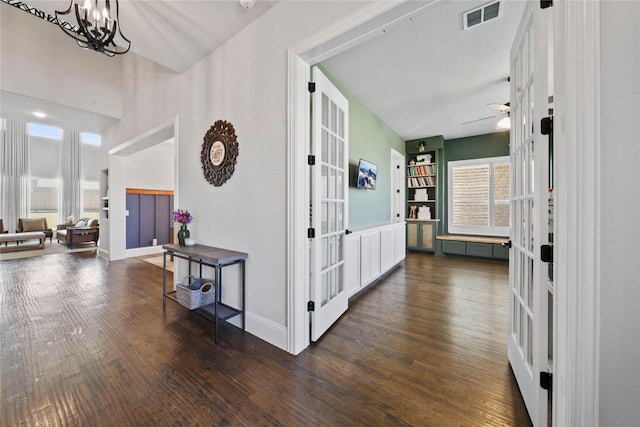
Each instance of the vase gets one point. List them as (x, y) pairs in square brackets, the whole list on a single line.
[(183, 233)]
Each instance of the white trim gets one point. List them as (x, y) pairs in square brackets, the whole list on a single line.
[(399, 159), (577, 215), (264, 328), (143, 251)]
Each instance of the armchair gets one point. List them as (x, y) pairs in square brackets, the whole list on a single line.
[(27, 225), (86, 230)]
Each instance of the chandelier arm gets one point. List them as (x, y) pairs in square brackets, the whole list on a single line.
[(99, 38)]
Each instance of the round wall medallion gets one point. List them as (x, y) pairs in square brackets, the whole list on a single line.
[(219, 153)]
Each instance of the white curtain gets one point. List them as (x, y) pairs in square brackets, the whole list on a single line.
[(15, 184), (70, 177)]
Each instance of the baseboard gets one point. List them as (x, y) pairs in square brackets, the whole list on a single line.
[(265, 329), (103, 253), (148, 250)]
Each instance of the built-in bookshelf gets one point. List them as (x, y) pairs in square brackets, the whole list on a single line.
[(421, 214), (421, 186)]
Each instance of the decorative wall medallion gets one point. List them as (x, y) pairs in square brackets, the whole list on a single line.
[(219, 153)]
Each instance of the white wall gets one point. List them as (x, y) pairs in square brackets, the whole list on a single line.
[(153, 168), (37, 59), (620, 226)]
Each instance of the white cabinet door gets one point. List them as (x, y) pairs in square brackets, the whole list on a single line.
[(387, 248), (352, 264)]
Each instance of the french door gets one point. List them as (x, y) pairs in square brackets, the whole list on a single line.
[(329, 203), (528, 291)]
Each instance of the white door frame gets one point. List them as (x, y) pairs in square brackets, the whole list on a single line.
[(397, 158), (577, 206), (577, 85)]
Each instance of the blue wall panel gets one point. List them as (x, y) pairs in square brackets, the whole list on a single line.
[(163, 219), (147, 219), (133, 221)]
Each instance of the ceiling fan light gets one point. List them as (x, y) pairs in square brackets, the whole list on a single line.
[(505, 123)]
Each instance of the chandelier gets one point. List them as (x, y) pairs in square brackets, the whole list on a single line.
[(95, 27)]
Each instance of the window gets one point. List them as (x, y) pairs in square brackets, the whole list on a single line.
[(90, 138), (479, 196), (44, 131), (44, 200)]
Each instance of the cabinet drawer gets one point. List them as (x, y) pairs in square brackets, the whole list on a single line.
[(480, 249), (453, 247), (500, 252)]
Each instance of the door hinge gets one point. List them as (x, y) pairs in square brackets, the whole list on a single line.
[(311, 160), (311, 233), (311, 306), (312, 87), (546, 253), (398, 190), (546, 380), (546, 126), (545, 4), (398, 215)]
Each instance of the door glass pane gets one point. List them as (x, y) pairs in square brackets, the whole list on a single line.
[(331, 220), (325, 146), (325, 253), (341, 124), (339, 185), (332, 183), (325, 288), (339, 215), (324, 217), (340, 278), (325, 110), (324, 182), (340, 153), (332, 150), (334, 118), (333, 250)]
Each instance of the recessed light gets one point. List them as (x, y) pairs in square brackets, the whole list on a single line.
[(39, 114)]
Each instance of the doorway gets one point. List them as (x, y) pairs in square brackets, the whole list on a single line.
[(118, 157)]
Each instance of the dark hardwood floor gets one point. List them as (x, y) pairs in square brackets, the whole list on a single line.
[(85, 343)]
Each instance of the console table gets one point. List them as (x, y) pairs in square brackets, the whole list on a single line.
[(211, 257)]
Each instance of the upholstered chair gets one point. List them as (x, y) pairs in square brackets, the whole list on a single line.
[(26, 225)]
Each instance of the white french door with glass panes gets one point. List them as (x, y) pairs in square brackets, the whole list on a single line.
[(329, 203), (528, 303)]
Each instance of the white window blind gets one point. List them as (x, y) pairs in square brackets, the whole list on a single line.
[(478, 193)]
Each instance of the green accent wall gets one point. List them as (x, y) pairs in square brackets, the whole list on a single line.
[(371, 139)]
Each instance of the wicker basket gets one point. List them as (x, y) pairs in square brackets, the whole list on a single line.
[(195, 294)]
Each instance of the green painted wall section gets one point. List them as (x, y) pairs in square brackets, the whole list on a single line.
[(371, 139)]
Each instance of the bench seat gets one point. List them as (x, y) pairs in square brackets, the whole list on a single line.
[(476, 246), (19, 238)]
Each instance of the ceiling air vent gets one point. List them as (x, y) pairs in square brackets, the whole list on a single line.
[(481, 14)]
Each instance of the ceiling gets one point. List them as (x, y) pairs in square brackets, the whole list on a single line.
[(422, 75), (425, 75)]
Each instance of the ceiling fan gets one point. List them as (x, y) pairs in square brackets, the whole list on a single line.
[(504, 109)]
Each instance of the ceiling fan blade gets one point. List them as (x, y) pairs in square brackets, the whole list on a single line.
[(486, 118), (500, 107)]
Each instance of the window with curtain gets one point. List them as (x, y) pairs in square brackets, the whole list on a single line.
[(90, 174), (45, 142), (478, 191)]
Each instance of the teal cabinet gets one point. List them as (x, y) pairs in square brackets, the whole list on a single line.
[(421, 235)]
